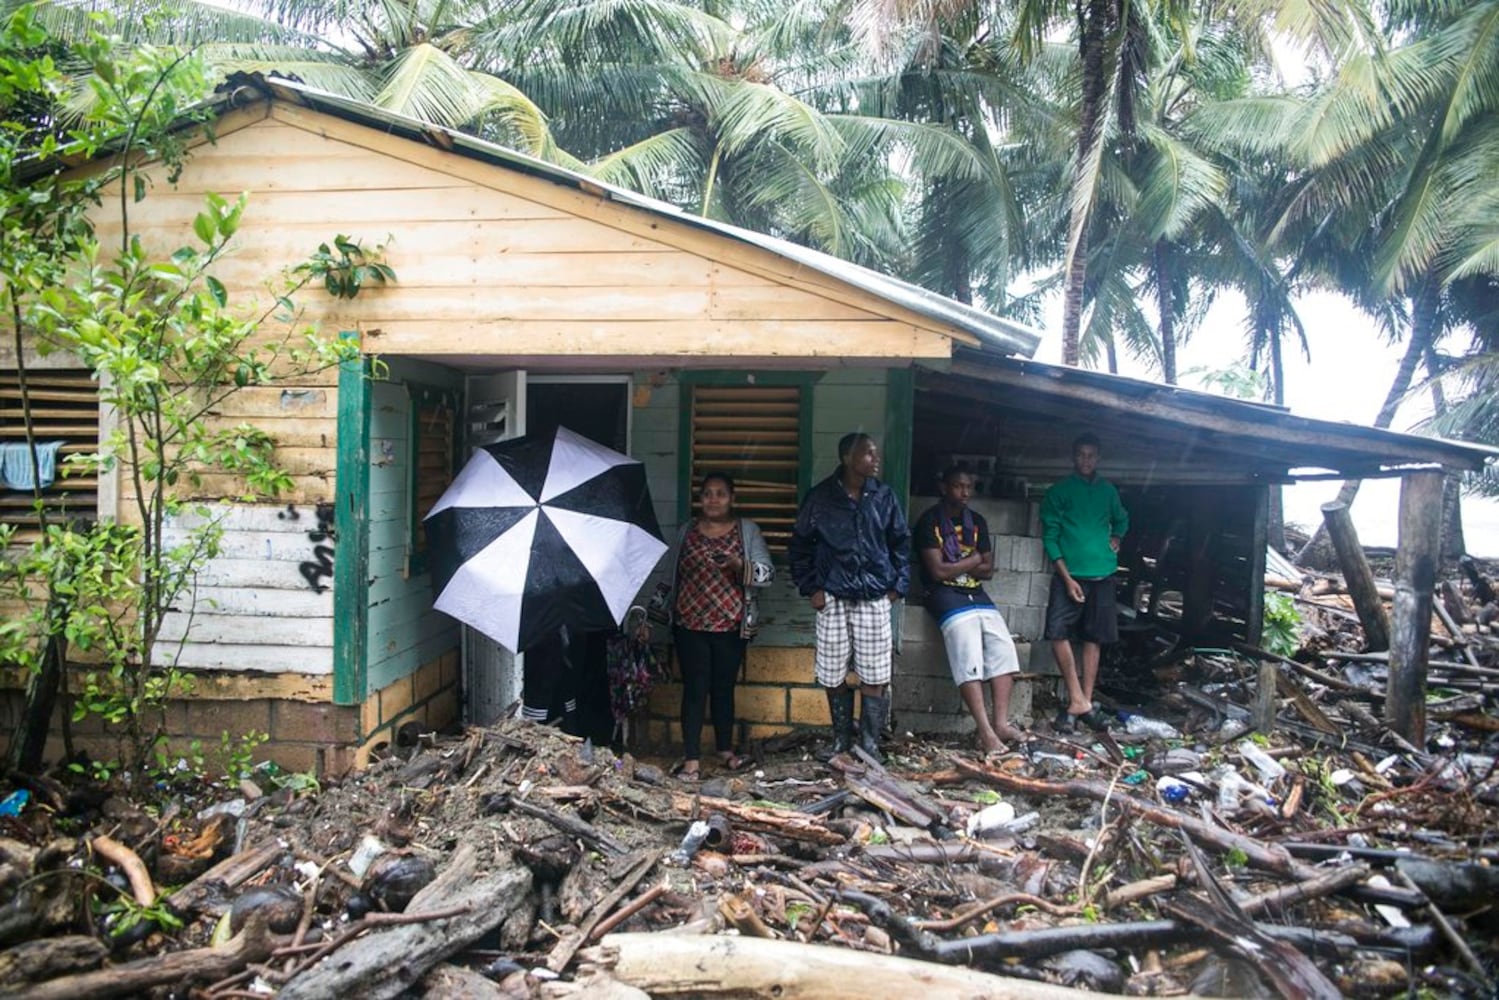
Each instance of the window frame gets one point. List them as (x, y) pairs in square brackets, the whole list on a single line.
[(418, 394), (104, 488), (689, 381)]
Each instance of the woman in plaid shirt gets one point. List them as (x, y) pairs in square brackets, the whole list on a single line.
[(717, 564)]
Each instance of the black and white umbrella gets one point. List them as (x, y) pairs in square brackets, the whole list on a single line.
[(543, 531)]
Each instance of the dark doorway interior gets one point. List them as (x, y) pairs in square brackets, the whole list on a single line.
[(596, 410), (568, 678)]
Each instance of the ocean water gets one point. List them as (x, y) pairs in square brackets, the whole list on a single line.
[(1376, 514)]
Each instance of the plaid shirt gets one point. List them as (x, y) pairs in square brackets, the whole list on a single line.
[(709, 599)]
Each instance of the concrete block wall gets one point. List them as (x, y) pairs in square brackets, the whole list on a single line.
[(428, 697), (306, 733), (777, 692), (925, 698)]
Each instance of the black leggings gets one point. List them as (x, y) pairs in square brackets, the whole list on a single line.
[(709, 662)]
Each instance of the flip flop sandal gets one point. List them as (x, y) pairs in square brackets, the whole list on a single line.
[(681, 773), (734, 762), (1095, 718), (1065, 722)]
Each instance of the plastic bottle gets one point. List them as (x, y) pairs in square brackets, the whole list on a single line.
[(1140, 725), (1270, 769), (1173, 790), (696, 834), (990, 819)]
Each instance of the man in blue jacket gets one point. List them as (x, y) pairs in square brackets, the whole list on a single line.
[(851, 557)]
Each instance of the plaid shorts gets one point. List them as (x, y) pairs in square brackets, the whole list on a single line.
[(857, 629)]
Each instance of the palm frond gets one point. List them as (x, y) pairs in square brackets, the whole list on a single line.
[(656, 166), (1475, 91), (165, 22), (425, 82), (745, 114), (1179, 183)]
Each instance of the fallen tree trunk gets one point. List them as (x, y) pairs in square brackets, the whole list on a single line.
[(789, 823), (674, 965), (387, 962), (254, 944), (1267, 857)]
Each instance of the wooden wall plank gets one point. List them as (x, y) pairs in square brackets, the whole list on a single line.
[(247, 657), (772, 338), (218, 629)]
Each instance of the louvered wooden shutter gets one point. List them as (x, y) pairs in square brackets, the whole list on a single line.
[(434, 460), (754, 434), (64, 407)]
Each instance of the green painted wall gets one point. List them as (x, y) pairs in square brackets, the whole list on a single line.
[(404, 631), (843, 400)]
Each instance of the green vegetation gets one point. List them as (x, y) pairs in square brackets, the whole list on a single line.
[(1282, 630), (166, 347)]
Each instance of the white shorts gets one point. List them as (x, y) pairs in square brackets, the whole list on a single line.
[(857, 629), (979, 647)]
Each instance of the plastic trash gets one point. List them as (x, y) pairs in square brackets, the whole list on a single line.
[(234, 807), (15, 802), (1270, 769), (370, 848), (1037, 756), (1172, 790), (1139, 725), (990, 818), (1234, 791), (696, 834), (1232, 728), (1173, 761)]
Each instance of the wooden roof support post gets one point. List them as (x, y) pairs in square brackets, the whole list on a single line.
[(1415, 580), (1357, 575)]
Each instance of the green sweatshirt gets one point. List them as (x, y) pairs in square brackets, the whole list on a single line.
[(1077, 519)]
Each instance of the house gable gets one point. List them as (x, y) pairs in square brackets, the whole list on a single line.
[(495, 263)]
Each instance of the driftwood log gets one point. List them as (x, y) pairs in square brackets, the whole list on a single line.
[(253, 944), (387, 962), (207, 892), (1360, 580), (789, 823), (675, 965), (48, 958), (1267, 857)]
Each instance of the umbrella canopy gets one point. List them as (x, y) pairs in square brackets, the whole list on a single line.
[(543, 531)]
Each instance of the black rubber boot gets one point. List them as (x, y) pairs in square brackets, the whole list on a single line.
[(872, 725), (841, 708)]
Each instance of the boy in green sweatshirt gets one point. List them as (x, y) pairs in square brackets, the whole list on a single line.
[(1082, 523)]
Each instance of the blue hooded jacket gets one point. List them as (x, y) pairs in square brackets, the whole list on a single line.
[(857, 551)]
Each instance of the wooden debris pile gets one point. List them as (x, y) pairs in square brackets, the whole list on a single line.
[(1264, 835)]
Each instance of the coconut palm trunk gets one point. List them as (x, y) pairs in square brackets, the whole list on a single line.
[(1096, 17)]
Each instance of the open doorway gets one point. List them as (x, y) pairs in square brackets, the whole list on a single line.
[(597, 407), (566, 676)]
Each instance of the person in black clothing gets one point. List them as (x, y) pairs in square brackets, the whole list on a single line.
[(850, 556)]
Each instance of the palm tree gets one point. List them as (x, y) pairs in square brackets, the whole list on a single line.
[(1397, 154), (757, 123)]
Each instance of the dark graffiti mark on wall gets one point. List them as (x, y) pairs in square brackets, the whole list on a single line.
[(323, 537)]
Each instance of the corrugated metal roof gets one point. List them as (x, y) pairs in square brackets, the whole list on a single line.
[(995, 333), (1270, 434)]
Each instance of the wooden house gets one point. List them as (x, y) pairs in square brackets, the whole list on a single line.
[(528, 295)]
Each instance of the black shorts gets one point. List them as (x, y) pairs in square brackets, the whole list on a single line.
[(1094, 620)]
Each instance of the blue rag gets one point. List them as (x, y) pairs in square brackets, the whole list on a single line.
[(16, 466)]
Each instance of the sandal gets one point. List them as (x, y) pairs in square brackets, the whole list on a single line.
[(1095, 718), (734, 762), (681, 773), (1065, 722)]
